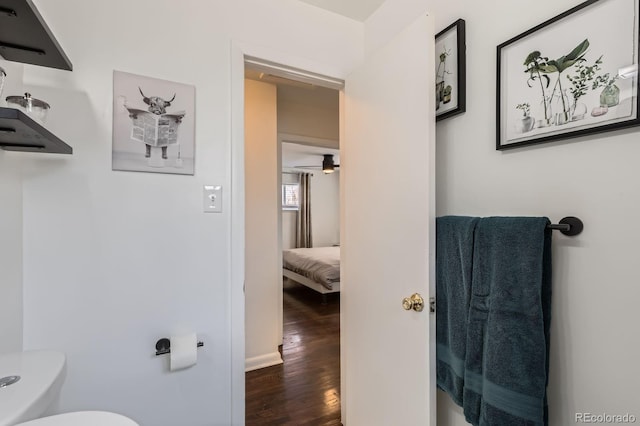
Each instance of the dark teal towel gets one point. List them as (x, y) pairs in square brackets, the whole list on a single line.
[(507, 352), (454, 251)]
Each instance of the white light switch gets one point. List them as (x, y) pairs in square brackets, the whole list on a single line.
[(212, 199)]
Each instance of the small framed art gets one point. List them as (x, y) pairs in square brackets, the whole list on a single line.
[(450, 90)]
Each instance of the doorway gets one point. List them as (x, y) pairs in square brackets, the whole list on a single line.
[(309, 381), (388, 125)]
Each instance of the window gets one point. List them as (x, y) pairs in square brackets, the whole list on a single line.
[(290, 196)]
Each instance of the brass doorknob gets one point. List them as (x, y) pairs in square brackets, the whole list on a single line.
[(415, 302)]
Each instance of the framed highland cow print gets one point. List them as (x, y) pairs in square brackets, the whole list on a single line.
[(153, 125)]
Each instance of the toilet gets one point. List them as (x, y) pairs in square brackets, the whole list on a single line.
[(30, 383), (82, 418)]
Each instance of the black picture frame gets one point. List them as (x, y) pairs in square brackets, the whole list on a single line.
[(451, 42), (592, 86)]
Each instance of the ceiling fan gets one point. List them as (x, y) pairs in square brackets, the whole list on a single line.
[(328, 165)]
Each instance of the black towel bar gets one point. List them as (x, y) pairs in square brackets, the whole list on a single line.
[(568, 226)]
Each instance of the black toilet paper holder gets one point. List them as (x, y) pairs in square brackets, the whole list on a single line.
[(163, 346)]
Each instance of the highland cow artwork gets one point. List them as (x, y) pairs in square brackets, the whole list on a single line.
[(153, 125)]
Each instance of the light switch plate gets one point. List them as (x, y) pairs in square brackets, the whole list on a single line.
[(212, 198)]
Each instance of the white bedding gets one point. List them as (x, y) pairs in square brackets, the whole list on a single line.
[(321, 264)]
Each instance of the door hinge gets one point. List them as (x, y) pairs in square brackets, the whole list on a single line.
[(432, 305)]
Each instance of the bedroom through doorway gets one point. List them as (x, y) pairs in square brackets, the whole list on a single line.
[(292, 306)]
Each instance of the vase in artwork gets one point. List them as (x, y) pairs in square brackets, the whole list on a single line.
[(610, 96), (545, 111), (562, 107), (446, 94), (578, 111), (524, 124), (439, 93)]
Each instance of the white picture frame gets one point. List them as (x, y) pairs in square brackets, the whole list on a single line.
[(153, 125)]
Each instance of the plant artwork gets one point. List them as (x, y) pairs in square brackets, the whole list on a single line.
[(441, 72), (567, 77), (450, 85), (545, 66)]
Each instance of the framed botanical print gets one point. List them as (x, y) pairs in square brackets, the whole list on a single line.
[(450, 90), (571, 76)]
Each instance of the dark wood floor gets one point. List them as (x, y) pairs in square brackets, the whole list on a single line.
[(305, 390)]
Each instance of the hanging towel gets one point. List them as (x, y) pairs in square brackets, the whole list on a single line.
[(507, 354), (454, 251)]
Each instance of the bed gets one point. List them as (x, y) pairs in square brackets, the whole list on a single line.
[(317, 267)]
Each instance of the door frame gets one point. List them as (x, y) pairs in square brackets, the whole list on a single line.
[(240, 51)]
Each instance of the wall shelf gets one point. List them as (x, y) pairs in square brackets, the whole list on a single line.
[(19, 132), (26, 38)]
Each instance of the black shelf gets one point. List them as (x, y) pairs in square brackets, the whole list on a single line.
[(26, 38), (19, 132)]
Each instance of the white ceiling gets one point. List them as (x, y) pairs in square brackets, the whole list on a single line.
[(295, 155), (359, 10)]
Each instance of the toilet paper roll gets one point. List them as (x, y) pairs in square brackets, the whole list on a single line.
[(184, 351)]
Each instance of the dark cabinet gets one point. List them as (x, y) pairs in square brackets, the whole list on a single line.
[(26, 38)]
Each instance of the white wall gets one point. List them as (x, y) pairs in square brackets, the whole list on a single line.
[(11, 164), (594, 337), (289, 217), (10, 253), (263, 263), (288, 229), (325, 209), (115, 260), (312, 113), (308, 112), (325, 212)]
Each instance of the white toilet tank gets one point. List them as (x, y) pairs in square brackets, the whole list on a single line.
[(30, 382), (83, 418)]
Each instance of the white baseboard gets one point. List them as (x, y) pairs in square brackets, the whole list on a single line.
[(262, 361)]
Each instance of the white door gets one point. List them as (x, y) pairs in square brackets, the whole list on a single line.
[(387, 237)]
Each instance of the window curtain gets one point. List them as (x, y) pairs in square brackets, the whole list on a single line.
[(303, 219)]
